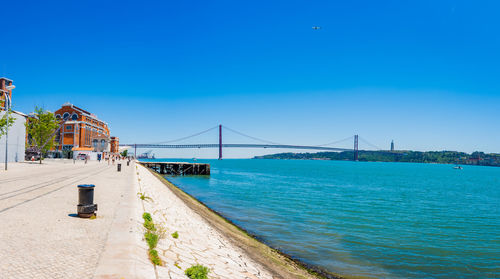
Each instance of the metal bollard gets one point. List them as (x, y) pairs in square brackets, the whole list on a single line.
[(86, 207), (128, 163), (119, 167)]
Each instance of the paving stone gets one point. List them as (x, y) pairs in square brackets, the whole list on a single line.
[(198, 242)]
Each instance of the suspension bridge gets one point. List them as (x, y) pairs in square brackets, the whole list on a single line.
[(264, 143)]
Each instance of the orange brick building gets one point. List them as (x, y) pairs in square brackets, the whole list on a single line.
[(82, 131), (115, 144)]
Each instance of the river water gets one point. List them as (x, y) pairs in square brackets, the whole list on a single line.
[(367, 219)]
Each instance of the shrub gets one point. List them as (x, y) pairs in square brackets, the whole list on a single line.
[(151, 239), (149, 225), (153, 256), (147, 217), (197, 272), (175, 235)]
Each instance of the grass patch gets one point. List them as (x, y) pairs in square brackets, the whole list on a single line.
[(175, 235), (151, 239), (147, 217), (153, 256), (143, 197), (149, 225), (148, 222), (197, 272)]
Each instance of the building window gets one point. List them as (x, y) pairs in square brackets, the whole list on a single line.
[(67, 147), (58, 116), (69, 127), (65, 116), (74, 116)]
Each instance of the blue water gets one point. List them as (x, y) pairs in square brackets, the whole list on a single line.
[(384, 220)]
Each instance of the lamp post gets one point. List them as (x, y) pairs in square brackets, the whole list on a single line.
[(7, 111)]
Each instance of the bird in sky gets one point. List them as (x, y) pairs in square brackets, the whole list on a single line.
[(316, 27)]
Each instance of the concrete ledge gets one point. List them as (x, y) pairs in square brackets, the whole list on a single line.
[(125, 254)]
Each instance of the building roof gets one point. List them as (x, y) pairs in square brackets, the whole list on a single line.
[(6, 79), (86, 113), (20, 113), (68, 104)]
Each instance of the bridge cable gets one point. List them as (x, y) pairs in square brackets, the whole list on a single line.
[(368, 143), (335, 142), (254, 138), (191, 136)]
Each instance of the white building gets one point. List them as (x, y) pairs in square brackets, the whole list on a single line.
[(16, 139)]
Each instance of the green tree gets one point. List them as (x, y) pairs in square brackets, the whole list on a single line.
[(124, 153), (42, 128), (6, 121)]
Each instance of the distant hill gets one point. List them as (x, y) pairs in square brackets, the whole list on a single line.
[(441, 157)]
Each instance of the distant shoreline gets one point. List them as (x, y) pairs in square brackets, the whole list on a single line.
[(428, 157), (315, 159)]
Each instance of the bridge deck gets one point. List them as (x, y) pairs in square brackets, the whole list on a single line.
[(235, 145)]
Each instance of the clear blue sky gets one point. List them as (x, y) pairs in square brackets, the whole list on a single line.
[(424, 73)]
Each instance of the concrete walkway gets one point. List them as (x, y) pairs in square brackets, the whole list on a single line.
[(40, 238)]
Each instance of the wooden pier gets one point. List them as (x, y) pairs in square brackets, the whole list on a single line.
[(178, 168)]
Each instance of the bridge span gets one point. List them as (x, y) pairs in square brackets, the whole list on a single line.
[(221, 145), (234, 145)]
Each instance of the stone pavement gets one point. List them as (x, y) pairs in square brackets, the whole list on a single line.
[(198, 242), (39, 238)]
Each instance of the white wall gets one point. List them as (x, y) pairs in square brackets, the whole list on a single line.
[(17, 140)]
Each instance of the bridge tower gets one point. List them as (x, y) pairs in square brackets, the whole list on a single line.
[(220, 142), (355, 147)]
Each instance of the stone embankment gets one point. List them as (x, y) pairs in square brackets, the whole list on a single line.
[(197, 242)]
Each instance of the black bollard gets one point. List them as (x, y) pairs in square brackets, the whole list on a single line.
[(119, 167), (128, 163), (86, 207)]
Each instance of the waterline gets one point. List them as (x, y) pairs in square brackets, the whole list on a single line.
[(365, 219)]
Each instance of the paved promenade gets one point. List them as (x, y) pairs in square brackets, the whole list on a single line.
[(40, 238)]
